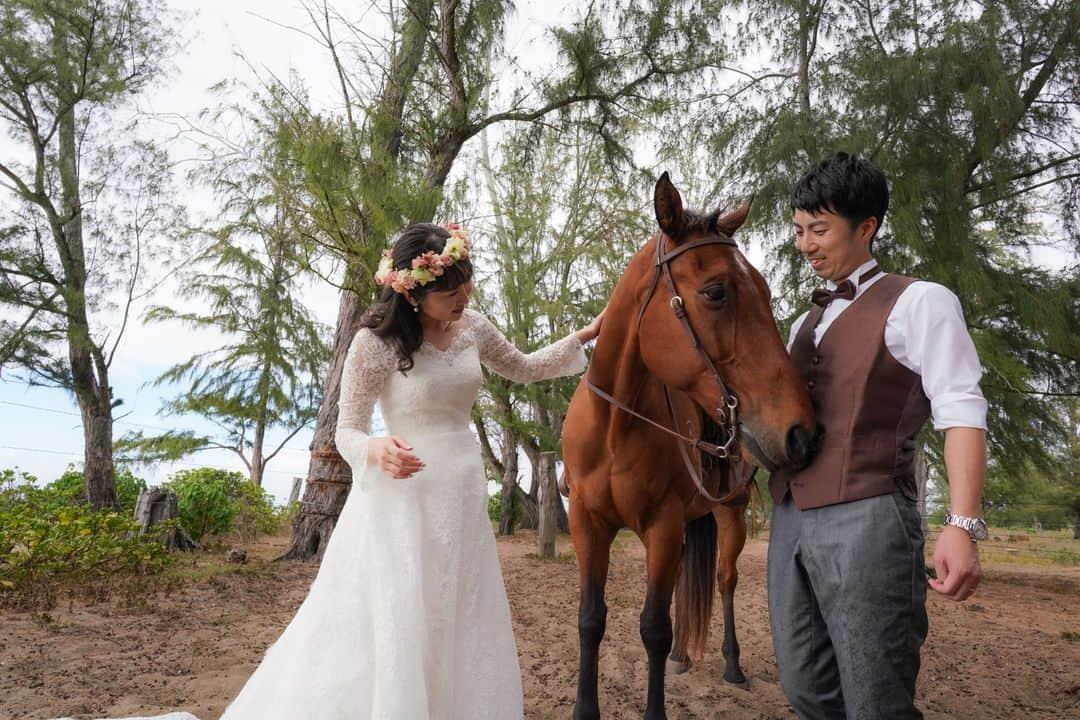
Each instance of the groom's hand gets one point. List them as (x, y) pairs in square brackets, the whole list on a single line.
[(394, 457), (956, 560)]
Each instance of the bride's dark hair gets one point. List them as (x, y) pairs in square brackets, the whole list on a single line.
[(393, 317)]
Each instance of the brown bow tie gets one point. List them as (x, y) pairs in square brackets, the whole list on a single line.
[(844, 291), (823, 297)]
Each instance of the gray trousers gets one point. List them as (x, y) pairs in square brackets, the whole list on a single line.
[(847, 605)]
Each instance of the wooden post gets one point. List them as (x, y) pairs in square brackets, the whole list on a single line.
[(922, 478), (549, 497)]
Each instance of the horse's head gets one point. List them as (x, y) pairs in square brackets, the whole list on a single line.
[(726, 303)]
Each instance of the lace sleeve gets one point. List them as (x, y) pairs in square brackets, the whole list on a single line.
[(368, 364), (565, 357)]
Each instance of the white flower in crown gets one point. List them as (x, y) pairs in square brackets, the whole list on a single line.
[(425, 268), (386, 267)]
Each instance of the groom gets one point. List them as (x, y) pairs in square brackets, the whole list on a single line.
[(881, 354)]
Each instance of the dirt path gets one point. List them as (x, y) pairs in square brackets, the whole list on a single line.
[(1013, 652)]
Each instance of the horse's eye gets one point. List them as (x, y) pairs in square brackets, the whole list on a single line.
[(715, 293)]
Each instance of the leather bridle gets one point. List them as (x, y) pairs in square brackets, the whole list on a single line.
[(728, 412)]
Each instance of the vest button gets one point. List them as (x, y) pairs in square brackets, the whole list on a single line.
[(810, 384), (816, 359)]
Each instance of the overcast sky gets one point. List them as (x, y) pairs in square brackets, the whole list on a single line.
[(43, 439), (41, 427)]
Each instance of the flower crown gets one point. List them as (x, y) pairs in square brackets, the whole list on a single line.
[(426, 267)]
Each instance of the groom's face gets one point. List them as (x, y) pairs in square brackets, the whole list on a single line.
[(833, 248)]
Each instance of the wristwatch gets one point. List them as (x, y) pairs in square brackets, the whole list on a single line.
[(974, 527)]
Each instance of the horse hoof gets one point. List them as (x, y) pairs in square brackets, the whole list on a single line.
[(737, 679), (677, 667)]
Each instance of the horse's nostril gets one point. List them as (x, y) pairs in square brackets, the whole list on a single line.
[(801, 445)]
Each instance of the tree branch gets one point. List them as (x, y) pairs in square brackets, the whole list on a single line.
[(1029, 173), (1028, 189), (982, 150), (268, 458)]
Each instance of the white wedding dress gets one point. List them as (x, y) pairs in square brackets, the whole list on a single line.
[(407, 618)]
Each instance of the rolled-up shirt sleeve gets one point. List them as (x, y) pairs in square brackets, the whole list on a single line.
[(926, 333)]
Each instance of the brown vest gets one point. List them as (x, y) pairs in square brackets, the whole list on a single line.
[(870, 405)]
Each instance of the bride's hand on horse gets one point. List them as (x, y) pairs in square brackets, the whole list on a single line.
[(393, 456), (591, 330)]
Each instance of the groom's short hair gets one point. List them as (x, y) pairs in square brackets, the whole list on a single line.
[(846, 185)]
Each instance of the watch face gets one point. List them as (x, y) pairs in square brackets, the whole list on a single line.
[(979, 529)]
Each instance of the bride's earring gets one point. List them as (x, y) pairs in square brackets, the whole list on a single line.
[(416, 308)]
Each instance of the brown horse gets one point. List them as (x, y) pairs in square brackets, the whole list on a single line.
[(696, 355)]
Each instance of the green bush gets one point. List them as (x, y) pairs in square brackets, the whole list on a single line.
[(287, 514), (207, 499), (45, 536), (71, 486), (495, 508), (213, 501), (257, 513)]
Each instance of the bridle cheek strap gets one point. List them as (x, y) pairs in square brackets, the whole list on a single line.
[(728, 413)]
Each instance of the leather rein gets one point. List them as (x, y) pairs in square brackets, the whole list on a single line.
[(728, 412)]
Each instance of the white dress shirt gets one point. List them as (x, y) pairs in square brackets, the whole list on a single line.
[(926, 333)]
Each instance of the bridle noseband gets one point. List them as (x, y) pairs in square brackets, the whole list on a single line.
[(728, 412)]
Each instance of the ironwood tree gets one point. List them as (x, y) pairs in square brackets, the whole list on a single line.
[(412, 98), (87, 201)]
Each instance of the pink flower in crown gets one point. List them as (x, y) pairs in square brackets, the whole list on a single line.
[(403, 282)]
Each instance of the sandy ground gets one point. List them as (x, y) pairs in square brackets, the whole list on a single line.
[(1012, 652)]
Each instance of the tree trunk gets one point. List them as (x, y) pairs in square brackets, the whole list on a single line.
[(155, 505), (1076, 524), (549, 501), (258, 462), (89, 370), (805, 51), (329, 476), (99, 473), (509, 483), (530, 516)]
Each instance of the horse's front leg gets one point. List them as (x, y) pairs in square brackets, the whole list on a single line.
[(592, 542), (663, 552), (731, 523)]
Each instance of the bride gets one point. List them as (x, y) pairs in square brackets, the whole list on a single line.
[(407, 617)]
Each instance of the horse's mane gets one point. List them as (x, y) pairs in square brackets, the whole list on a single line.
[(706, 223)]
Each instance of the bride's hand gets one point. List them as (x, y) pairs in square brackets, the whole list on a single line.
[(392, 456), (591, 330)]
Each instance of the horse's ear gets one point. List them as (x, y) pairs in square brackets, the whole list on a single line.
[(669, 209), (732, 221)]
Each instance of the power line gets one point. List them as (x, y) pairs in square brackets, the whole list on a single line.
[(174, 462), (115, 422)]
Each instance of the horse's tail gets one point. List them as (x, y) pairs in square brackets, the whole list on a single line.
[(696, 587)]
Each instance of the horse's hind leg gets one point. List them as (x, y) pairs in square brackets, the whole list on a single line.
[(731, 525), (592, 542), (663, 551)]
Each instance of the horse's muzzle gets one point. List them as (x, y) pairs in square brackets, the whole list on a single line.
[(752, 445), (801, 446)]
